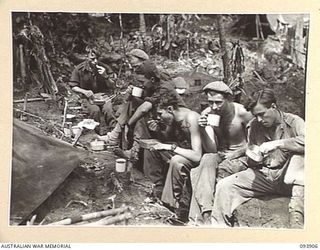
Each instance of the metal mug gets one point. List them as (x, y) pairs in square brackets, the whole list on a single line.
[(121, 165), (137, 92), (213, 120)]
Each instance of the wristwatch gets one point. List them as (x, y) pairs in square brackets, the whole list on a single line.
[(173, 147)]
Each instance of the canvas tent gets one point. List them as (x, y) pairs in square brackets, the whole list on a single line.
[(39, 165)]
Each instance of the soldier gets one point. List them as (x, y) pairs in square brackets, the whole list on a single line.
[(280, 137)]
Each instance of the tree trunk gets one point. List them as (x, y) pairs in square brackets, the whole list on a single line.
[(169, 35), (223, 45), (298, 53), (142, 25)]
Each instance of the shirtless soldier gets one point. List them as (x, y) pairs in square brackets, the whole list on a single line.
[(229, 137)]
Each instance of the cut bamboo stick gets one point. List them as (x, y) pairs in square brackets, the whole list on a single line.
[(85, 217), (111, 220)]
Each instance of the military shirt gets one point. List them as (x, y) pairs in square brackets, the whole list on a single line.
[(87, 78), (291, 131)]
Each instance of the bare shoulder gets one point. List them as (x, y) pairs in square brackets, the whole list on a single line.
[(241, 112), (193, 117)]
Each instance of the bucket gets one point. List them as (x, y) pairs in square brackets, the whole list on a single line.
[(121, 165)]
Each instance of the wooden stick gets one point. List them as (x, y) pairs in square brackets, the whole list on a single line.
[(85, 217), (24, 117), (40, 118), (30, 100), (112, 220), (35, 116), (259, 77), (22, 66), (76, 139), (64, 112)]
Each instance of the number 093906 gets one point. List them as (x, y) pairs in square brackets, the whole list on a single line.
[(308, 246)]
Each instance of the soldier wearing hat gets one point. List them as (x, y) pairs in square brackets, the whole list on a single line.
[(227, 139), (137, 57), (132, 112), (137, 123), (180, 85)]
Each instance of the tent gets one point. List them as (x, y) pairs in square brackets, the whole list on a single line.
[(39, 165)]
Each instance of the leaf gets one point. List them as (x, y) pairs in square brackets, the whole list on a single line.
[(66, 61), (167, 46), (45, 95)]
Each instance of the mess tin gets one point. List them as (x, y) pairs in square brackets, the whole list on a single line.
[(137, 92), (97, 145), (254, 153), (75, 130)]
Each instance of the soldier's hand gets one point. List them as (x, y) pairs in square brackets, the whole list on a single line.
[(230, 156), (153, 125), (206, 111), (100, 69), (88, 93), (203, 120), (269, 146)]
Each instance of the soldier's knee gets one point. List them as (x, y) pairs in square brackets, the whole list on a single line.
[(224, 185), (295, 171), (176, 163), (210, 157)]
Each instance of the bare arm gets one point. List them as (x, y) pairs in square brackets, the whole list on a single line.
[(208, 139), (294, 144), (143, 109), (195, 153), (87, 93)]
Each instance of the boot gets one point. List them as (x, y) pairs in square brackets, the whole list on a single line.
[(126, 154), (131, 154), (296, 207), (296, 220), (206, 217)]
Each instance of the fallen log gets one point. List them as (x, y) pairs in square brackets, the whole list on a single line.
[(85, 217)]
